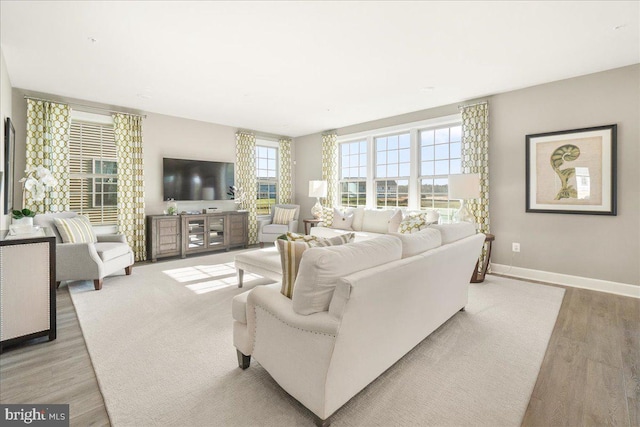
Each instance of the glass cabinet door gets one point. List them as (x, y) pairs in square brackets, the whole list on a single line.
[(196, 237), (216, 231)]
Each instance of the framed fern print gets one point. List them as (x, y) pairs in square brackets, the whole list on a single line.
[(572, 171)]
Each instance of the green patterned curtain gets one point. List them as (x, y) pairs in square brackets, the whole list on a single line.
[(330, 167), (128, 136), (285, 178), (48, 127), (475, 157), (246, 179)]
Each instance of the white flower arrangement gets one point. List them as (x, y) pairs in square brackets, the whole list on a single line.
[(36, 182)]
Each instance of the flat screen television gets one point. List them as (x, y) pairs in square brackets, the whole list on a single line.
[(196, 179)]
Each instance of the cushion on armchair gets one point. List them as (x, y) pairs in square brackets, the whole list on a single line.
[(110, 250), (283, 216), (75, 230)]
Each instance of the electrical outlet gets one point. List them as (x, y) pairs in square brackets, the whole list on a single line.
[(515, 247)]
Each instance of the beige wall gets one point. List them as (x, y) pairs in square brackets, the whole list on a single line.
[(599, 247), (5, 111), (164, 136)]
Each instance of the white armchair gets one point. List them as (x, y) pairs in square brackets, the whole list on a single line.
[(88, 261), (269, 232)]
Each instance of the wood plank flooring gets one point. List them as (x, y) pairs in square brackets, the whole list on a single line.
[(590, 374)]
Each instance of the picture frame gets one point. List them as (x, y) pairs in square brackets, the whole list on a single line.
[(572, 171), (9, 164)]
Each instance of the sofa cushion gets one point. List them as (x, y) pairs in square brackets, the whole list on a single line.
[(358, 217), (342, 220), (377, 220), (110, 250), (76, 230), (394, 221), (321, 268), (283, 216), (453, 232), (291, 253), (415, 222), (422, 241), (275, 229)]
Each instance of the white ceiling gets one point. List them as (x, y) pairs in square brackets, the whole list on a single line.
[(295, 68)]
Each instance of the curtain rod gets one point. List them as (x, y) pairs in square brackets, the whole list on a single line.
[(144, 116), (460, 107)]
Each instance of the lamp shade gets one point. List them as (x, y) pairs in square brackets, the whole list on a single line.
[(317, 188), (464, 186)]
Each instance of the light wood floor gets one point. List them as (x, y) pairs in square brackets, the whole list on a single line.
[(590, 374)]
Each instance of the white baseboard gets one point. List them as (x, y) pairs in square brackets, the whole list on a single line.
[(568, 280)]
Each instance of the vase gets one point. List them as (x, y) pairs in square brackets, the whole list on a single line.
[(24, 221)]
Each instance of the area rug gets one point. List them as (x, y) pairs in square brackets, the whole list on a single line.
[(161, 344)]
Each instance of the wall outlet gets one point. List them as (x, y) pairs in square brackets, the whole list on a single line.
[(515, 247)]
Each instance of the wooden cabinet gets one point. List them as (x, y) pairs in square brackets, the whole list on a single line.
[(27, 287), (163, 236), (189, 234)]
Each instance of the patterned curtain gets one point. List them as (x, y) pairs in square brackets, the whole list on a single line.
[(330, 167), (475, 157), (128, 136), (48, 127), (246, 179), (285, 178)]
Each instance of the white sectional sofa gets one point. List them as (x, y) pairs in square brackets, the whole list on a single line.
[(368, 223), (356, 310)]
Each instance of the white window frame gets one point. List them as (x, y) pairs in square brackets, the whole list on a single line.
[(349, 180), (261, 142), (98, 119), (413, 129)]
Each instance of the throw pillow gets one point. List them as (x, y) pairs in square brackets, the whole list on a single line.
[(290, 255), (283, 216), (394, 221), (415, 223), (342, 220), (75, 230)]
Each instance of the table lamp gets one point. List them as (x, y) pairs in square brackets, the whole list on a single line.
[(317, 189), (464, 187)]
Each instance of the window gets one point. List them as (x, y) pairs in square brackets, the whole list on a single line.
[(393, 170), (93, 169), (267, 178), (404, 166), (353, 173), (440, 156)]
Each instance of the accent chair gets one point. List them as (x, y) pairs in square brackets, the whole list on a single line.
[(268, 231)]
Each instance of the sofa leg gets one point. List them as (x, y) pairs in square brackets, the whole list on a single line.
[(243, 360), (97, 284), (261, 244), (240, 277), (320, 422), (128, 270), (58, 285), (463, 309)]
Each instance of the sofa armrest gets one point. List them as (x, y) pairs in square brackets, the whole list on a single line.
[(262, 222), (119, 238), (77, 260), (280, 307)]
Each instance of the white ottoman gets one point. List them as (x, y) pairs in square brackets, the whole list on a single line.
[(265, 262)]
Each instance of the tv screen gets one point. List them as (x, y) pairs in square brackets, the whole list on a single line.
[(196, 179)]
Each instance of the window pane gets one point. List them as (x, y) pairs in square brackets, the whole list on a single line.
[(442, 167), (363, 159), (404, 169), (455, 150), (381, 144), (392, 142), (427, 153), (426, 137), (392, 170), (392, 156), (456, 133), (442, 151), (363, 172), (405, 140), (382, 157), (455, 166), (427, 168), (271, 165), (442, 135), (405, 156), (363, 146), (271, 153), (262, 164), (381, 171)]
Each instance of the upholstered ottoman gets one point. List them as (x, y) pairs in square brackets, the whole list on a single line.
[(265, 262)]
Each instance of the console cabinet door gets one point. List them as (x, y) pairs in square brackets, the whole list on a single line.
[(165, 236), (238, 231)]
